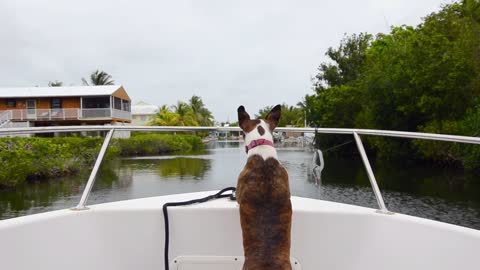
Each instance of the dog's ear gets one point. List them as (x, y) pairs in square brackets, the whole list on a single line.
[(273, 117), (243, 117)]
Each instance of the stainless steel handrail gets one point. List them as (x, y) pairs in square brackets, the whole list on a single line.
[(93, 174), (354, 132), (371, 175), (385, 133)]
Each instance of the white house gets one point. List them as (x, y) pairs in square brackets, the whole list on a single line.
[(143, 112)]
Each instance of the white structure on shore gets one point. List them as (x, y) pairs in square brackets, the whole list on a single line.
[(143, 112)]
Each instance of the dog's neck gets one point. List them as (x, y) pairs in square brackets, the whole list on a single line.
[(265, 151)]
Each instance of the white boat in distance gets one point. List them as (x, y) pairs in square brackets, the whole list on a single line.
[(325, 235)]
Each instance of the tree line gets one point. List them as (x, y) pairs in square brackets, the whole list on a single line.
[(424, 78), (420, 79)]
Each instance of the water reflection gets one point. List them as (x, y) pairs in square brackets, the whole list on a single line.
[(178, 168), (42, 196), (224, 144), (448, 183)]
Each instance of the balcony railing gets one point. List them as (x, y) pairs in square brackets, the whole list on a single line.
[(96, 113), (65, 114), (121, 114)]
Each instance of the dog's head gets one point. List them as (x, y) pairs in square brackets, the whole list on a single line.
[(258, 128)]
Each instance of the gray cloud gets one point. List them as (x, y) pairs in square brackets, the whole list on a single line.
[(255, 53)]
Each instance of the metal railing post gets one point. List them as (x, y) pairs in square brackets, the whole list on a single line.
[(93, 174), (371, 176)]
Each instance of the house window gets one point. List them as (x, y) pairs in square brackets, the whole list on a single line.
[(56, 103), (143, 118), (96, 102), (11, 103), (126, 106), (117, 103)]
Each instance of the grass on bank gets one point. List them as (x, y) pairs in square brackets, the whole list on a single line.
[(25, 159)]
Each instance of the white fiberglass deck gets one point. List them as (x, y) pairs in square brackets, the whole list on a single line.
[(325, 235)]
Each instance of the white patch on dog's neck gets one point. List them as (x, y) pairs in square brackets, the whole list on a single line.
[(265, 151)]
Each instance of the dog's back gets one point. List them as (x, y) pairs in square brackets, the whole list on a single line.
[(265, 213)]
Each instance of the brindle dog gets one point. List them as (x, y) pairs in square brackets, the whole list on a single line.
[(264, 196)]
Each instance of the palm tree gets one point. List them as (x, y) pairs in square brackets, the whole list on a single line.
[(55, 84), (193, 113), (196, 103), (164, 109), (99, 78), (203, 116), (165, 117), (186, 114)]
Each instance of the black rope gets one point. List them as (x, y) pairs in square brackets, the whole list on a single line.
[(336, 146), (218, 195), (316, 140)]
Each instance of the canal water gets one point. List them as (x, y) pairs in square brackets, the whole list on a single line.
[(440, 194)]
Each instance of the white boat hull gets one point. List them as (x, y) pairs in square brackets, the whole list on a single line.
[(325, 235)]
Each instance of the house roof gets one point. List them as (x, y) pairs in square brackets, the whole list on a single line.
[(68, 91), (144, 108)]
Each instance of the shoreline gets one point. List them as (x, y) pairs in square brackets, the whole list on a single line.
[(44, 159)]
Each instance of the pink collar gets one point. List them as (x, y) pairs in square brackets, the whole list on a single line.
[(256, 143)]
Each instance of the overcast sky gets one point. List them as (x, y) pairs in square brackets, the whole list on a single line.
[(255, 53)]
